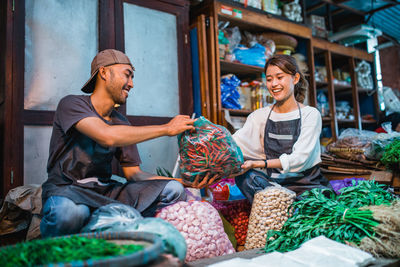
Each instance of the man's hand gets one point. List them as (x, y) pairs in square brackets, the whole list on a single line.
[(207, 181), (179, 124)]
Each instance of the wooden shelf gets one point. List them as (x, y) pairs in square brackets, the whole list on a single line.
[(239, 112), (239, 68), (342, 87), (366, 91), (341, 50), (326, 119), (369, 121), (256, 21), (321, 84), (338, 87), (345, 121)]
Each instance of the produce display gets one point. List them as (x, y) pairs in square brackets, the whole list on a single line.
[(391, 155), (62, 250), (210, 149), (269, 212), (237, 214), (201, 226), (364, 215)]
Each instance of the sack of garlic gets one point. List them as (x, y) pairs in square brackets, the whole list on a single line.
[(202, 228)]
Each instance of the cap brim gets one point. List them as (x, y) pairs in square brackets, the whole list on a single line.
[(88, 87)]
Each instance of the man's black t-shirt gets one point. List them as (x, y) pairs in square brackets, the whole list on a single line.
[(77, 163)]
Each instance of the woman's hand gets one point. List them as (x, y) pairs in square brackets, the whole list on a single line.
[(207, 181), (251, 164)]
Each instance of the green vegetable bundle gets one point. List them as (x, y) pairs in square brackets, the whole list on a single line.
[(391, 156), (62, 250), (365, 216)]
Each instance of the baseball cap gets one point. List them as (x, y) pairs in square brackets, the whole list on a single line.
[(102, 59)]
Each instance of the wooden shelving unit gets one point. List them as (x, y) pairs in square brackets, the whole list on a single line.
[(215, 11), (239, 112), (335, 56), (247, 20)]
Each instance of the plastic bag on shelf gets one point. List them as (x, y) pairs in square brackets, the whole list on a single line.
[(202, 228), (120, 217), (229, 92), (352, 144), (392, 102), (234, 37), (251, 56), (209, 149)]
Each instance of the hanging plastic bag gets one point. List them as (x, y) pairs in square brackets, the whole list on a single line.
[(119, 217), (210, 149), (202, 228)]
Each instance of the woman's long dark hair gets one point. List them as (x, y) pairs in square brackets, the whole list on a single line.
[(289, 65)]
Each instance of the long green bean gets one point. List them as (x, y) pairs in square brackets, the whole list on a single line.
[(322, 212)]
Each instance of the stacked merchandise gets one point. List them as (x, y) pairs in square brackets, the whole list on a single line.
[(365, 216), (356, 152)]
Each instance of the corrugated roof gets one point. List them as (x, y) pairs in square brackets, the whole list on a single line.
[(388, 21)]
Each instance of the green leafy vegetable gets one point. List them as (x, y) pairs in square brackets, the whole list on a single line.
[(163, 172), (340, 218), (63, 249), (391, 156)]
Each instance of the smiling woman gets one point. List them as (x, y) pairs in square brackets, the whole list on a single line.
[(282, 73), (284, 138)]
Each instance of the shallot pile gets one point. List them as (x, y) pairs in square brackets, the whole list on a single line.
[(210, 149), (237, 214), (201, 226), (269, 212)]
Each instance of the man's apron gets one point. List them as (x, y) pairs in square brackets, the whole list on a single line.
[(279, 138)]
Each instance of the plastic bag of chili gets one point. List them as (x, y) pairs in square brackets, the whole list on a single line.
[(209, 149)]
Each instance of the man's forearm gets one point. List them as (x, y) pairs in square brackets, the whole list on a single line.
[(123, 135), (145, 176)]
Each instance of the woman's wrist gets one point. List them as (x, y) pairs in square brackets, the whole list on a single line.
[(258, 164)]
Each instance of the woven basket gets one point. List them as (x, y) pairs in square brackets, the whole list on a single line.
[(281, 39)]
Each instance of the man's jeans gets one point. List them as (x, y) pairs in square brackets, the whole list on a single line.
[(61, 216)]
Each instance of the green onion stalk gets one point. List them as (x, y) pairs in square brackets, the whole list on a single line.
[(361, 212)]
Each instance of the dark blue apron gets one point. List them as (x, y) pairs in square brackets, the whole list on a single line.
[(279, 138)]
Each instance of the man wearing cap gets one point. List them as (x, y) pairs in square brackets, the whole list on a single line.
[(87, 134)]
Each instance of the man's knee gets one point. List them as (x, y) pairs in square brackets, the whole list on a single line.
[(62, 216)]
